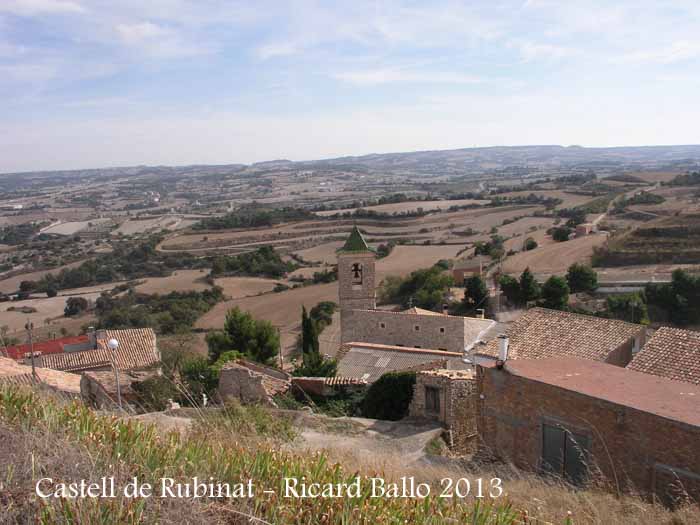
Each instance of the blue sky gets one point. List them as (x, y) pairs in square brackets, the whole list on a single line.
[(93, 83)]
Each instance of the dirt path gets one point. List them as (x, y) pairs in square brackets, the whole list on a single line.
[(400, 441)]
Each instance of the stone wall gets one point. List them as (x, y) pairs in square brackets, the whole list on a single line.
[(436, 332), (354, 293), (250, 384), (457, 394), (628, 447)]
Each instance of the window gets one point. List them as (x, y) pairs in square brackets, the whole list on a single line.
[(442, 329), (432, 399), (417, 346), (382, 325), (416, 328), (564, 453)]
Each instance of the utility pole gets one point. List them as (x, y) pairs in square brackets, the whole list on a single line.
[(279, 338), (113, 344), (30, 336)]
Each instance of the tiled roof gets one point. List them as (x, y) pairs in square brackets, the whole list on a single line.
[(420, 311), (371, 361), (13, 372), (657, 395), (672, 353), (450, 374), (541, 333), (355, 242), (137, 349), (53, 346)]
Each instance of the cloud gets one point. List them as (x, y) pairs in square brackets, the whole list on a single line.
[(678, 51), (137, 33), (373, 77), (37, 7), (277, 49), (158, 41), (532, 51)]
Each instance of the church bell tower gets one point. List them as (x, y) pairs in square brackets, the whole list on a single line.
[(356, 274)]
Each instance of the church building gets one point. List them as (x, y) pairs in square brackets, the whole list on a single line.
[(414, 337)]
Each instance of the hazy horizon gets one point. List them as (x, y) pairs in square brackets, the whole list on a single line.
[(89, 84)]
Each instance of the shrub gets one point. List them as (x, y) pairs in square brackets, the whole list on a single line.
[(153, 393), (510, 288), (389, 396), (581, 278), (530, 244), (199, 378), (74, 306), (561, 234)]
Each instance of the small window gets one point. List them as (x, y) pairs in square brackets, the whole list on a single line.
[(432, 399), (382, 325), (417, 346), (442, 329), (416, 328)]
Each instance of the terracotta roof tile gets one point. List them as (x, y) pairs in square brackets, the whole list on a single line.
[(137, 349), (672, 353), (541, 333), (13, 372)]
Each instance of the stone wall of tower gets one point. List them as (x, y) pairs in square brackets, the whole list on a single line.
[(355, 294)]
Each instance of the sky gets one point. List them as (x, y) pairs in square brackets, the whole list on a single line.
[(98, 83)]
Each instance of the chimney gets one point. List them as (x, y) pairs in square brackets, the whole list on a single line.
[(502, 351), (91, 336), (100, 335)]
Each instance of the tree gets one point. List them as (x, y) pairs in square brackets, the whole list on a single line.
[(175, 350), (581, 278), (529, 287), (74, 306), (389, 396), (51, 292), (476, 293), (313, 363), (257, 339), (679, 299), (561, 234), (218, 342), (199, 378), (27, 286), (628, 307), (555, 293), (510, 288), (530, 244)]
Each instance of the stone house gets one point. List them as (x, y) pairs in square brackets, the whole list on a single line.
[(99, 389), (672, 353), (579, 418), (450, 397), (541, 333), (137, 350), (250, 382)]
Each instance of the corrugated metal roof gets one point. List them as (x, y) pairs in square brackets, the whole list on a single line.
[(370, 361)]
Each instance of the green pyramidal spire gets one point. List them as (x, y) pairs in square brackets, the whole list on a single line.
[(355, 242)]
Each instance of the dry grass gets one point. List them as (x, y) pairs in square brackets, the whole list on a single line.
[(178, 281), (554, 258), (239, 287)]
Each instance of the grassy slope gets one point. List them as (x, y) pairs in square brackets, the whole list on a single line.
[(44, 437)]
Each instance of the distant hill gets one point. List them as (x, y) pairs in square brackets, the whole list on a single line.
[(463, 161)]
